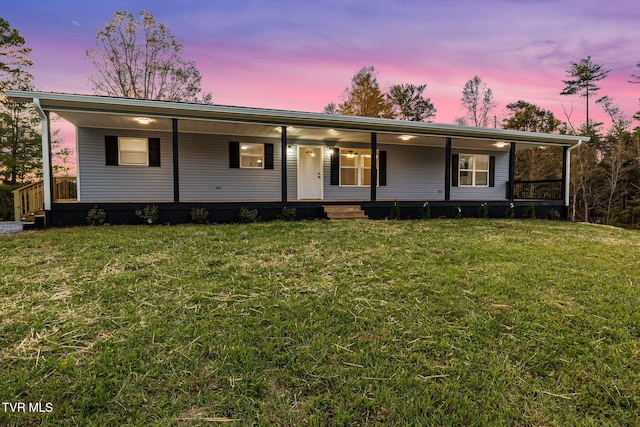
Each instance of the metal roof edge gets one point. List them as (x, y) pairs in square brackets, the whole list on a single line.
[(97, 103)]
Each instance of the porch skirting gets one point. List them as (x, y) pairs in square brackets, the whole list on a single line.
[(72, 214)]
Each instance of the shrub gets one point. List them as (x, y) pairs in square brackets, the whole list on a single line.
[(287, 214), (395, 211), (199, 215), (6, 202), (554, 215), (96, 216), (426, 211), (148, 215), (248, 215), (531, 211), (457, 212), (510, 212), (483, 212)]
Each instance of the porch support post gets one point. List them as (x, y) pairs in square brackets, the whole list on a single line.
[(176, 175), (565, 181), (374, 169), (283, 166), (512, 170), (447, 170), (566, 173), (47, 169)]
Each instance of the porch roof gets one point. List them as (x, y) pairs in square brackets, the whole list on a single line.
[(116, 112)]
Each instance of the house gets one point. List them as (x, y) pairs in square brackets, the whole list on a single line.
[(135, 152)]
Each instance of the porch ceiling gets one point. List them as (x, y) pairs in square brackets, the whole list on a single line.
[(295, 134)]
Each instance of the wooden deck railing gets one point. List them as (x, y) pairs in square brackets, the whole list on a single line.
[(64, 188), (30, 198), (548, 189)]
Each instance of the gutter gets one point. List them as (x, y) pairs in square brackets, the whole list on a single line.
[(568, 172), (46, 156)]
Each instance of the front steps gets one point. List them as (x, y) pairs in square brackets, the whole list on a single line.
[(344, 212)]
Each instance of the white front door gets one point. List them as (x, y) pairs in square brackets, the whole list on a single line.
[(309, 172)]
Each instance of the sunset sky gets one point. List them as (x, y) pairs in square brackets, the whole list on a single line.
[(300, 55)]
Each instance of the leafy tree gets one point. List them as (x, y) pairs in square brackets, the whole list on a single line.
[(531, 118), (540, 162), (142, 60), (477, 99), (620, 122), (584, 75), (13, 53), (331, 108), (409, 104), (364, 97), (19, 133)]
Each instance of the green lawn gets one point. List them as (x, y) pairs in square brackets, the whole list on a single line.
[(438, 322)]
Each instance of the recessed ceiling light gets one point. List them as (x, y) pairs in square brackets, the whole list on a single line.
[(405, 137), (500, 144), (143, 120), (244, 147)]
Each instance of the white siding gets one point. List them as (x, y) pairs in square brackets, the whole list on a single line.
[(413, 173), (99, 182), (205, 173), (499, 192)]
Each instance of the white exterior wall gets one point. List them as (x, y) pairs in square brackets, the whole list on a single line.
[(205, 173), (413, 172), (98, 182), (499, 192)]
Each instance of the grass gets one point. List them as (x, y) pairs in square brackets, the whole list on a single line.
[(441, 322)]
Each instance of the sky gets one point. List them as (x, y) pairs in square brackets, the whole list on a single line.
[(301, 55)]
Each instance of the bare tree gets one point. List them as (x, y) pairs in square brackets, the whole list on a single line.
[(477, 99), (142, 60)]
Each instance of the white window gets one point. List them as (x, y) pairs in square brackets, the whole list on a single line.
[(251, 155), (474, 170), (355, 167), (133, 151)]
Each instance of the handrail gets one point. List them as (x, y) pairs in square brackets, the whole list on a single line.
[(29, 199), (544, 189)]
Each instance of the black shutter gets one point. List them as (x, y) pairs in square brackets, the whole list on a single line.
[(268, 156), (455, 167), (111, 150), (492, 171), (154, 152), (234, 154), (335, 167), (382, 168)]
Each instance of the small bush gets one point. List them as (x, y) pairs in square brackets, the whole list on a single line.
[(483, 212), (199, 215), (554, 215), (287, 214), (510, 212), (96, 216), (248, 215), (426, 211), (148, 215), (531, 211), (395, 211), (457, 212)]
